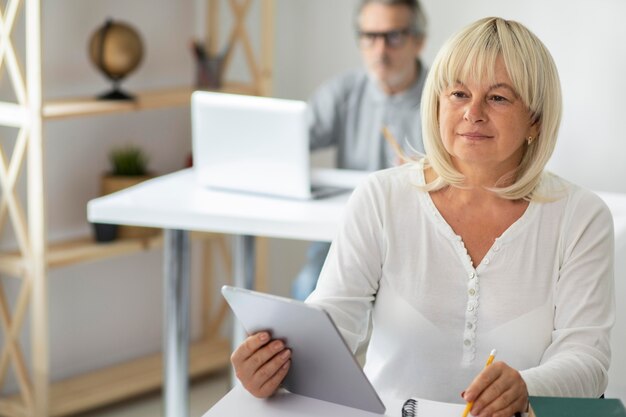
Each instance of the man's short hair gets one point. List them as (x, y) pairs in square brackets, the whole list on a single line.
[(418, 23)]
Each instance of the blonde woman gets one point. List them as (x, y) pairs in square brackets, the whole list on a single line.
[(471, 248)]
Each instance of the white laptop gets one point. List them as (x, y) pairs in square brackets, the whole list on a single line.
[(253, 144), (322, 365)]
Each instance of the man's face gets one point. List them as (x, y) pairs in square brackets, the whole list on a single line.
[(388, 47)]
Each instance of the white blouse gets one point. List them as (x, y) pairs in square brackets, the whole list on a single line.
[(542, 295)]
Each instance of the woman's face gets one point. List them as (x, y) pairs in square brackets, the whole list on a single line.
[(485, 126)]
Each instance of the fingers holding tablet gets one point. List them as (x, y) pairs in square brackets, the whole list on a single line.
[(261, 364)]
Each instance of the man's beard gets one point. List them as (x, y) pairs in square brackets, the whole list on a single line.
[(392, 80)]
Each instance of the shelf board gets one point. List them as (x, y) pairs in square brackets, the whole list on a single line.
[(79, 250), (87, 106), (86, 249), (155, 99), (123, 381)]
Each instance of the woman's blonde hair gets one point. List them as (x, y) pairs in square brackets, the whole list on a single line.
[(471, 55)]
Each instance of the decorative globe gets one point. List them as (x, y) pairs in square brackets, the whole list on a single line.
[(116, 49)]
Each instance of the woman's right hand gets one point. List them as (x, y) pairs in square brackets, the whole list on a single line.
[(261, 364)]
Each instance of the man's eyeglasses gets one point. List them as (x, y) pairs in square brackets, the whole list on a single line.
[(392, 38)]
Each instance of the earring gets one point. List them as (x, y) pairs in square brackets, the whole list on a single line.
[(529, 140)]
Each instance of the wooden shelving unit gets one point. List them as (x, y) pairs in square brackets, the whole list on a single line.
[(122, 381), (37, 396)]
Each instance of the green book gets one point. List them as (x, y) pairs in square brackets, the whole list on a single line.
[(576, 407)]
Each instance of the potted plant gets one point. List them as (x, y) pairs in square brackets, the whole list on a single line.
[(129, 166)]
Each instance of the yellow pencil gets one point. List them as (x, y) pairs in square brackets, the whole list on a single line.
[(393, 143), (470, 404)]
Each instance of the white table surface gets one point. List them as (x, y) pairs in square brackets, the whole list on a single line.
[(239, 403), (174, 201)]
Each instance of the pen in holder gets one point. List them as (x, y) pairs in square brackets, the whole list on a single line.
[(209, 68)]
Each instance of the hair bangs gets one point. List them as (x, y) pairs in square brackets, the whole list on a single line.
[(471, 57)]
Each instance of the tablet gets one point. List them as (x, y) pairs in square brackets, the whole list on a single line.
[(322, 365)]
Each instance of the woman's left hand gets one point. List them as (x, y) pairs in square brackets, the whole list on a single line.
[(498, 391)]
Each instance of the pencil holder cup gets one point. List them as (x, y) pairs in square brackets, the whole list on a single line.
[(209, 72), (104, 232)]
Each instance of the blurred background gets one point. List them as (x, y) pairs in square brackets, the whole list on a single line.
[(105, 312)]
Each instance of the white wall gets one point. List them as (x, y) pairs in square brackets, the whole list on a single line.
[(314, 41)]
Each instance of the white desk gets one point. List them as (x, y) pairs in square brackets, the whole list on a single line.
[(173, 202), (239, 403)]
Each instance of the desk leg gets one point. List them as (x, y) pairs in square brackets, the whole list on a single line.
[(243, 271), (176, 323), (243, 261)]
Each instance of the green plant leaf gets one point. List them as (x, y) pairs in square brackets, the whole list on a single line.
[(128, 161)]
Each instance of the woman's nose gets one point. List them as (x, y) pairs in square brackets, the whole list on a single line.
[(475, 112)]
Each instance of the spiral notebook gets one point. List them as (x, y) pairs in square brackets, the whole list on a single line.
[(417, 407)]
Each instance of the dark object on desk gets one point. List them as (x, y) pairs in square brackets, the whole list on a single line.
[(104, 232), (116, 50), (576, 407)]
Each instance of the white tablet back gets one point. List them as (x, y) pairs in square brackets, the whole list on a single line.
[(322, 365)]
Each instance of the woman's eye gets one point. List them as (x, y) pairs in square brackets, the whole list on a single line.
[(498, 99), (458, 94)]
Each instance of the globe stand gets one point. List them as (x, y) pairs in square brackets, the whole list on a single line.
[(116, 94), (116, 50)]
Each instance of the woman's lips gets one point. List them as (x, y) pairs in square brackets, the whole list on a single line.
[(475, 135)]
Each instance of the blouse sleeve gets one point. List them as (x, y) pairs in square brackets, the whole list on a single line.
[(577, 360), (349, 279)]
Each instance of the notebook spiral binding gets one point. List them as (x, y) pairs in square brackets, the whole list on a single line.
[(409, 409)]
